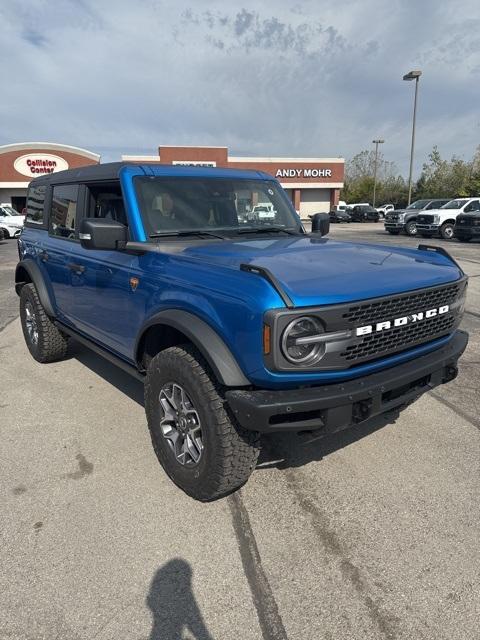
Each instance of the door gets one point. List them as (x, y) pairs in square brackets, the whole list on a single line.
[(55, 253), (105, 306)]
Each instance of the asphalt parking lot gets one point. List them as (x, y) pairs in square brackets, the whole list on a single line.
[(369, 534)]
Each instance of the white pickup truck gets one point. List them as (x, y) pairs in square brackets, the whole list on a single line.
[(10, 221), (442, 221)]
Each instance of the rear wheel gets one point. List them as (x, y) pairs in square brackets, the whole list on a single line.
[(44, 341), (6, 235), (411, 228), (198, 443)]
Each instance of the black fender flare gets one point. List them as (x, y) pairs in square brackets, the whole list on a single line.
[(207, 341), (37, 278)]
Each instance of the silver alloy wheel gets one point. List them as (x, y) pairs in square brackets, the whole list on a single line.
[(31, 323), (411, 228), (448, 231), (180, 424)]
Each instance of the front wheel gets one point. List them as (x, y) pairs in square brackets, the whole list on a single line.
[(198, 443), (446, 230), (411, 228), (6, 235)]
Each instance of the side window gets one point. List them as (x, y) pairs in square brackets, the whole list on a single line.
[(64, 211), (472, 206), (432, 205), (106, 201), (35, 204)]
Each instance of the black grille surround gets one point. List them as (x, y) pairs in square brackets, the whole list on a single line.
[(354, 349)]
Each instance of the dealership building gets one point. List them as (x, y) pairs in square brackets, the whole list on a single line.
[(313, 184), (20, 163)]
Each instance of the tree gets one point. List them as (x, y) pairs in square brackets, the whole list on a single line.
[(359, 179), (449, 179)]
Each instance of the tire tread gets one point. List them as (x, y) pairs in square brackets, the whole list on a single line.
[(240, 447)]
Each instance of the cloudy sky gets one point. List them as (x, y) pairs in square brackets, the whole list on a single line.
[(297, 78)]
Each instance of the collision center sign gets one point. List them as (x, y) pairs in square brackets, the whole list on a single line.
[(303, 173), (35, 164)]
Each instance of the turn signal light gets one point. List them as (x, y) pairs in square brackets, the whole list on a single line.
[(267, 343)]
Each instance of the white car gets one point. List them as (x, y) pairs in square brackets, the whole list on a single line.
[(10, 221), (442, 221), (262, 212), (384, 209)]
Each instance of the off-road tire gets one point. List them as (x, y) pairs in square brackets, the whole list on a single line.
[(393, 232), (6, 235), (447, 235), (230, 452), (51, 344), (411, 228)]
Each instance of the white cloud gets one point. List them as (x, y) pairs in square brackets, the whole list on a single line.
[(314, 78)]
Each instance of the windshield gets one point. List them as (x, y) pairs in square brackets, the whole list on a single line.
[(177, 205), (418, 204), (454, 204), (6, 210)]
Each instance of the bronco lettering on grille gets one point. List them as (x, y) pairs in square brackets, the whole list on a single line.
[(400, 322)]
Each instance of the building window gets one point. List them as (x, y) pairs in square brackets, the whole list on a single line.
[(35, 204), (64, 210)]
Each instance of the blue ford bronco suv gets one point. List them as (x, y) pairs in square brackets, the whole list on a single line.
[(237, 324)]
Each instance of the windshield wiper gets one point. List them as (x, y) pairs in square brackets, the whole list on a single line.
[(182, 234), (290, 232)]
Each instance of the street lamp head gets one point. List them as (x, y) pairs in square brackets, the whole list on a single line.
[(378, 141), (412, 75)]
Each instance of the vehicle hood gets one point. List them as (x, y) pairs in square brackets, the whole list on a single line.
[(16, 221), (315, 271), (448, 211)]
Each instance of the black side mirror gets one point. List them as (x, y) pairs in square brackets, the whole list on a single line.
[(102, 233), (320, 223)]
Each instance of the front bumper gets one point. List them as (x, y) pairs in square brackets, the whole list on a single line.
[(429, 228), (393, 225), (466, 232), (337, 406)]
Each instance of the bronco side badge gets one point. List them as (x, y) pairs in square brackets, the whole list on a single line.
[(134, 283)]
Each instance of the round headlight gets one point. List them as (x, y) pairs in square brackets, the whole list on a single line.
[(296, 346)]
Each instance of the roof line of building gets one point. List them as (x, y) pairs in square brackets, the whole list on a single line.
[(281, 159), (49, 146)]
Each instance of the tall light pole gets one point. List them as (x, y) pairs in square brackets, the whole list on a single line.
[(376, 143), (412, 75)]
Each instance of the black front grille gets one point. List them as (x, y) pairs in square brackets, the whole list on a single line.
[(468, 221), (390, 308), (425, 219), (399, 338)]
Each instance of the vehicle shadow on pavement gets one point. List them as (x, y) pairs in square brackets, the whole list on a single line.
[(112, 374), (280, 450), (287, 450), (173, 605)]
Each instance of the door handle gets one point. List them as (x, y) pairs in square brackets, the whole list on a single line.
[(77, 268), (44, 256)]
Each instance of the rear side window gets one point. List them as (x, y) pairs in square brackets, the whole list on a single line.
[(64, 211), (35, 204)]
